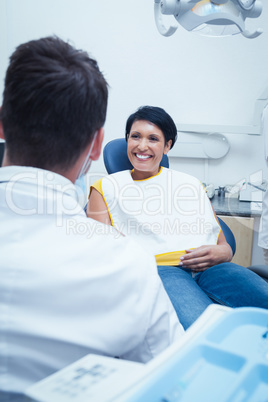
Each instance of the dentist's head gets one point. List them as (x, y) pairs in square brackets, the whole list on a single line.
[(54, 108)]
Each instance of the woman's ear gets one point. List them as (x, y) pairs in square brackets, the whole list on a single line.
[(167, 146), (1, 131)]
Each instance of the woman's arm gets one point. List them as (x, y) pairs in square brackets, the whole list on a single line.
[(97, 209), (201, 258)]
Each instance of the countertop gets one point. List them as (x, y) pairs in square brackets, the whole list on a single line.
[(231, 206)]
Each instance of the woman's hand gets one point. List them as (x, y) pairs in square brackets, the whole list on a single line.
[(201, 258)]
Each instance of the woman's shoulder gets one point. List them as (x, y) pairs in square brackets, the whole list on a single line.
[(114, 177), (181, 175), (118, 175), (118, 179)]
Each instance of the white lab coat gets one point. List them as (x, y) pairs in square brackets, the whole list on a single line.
[(69, 285), (263, 233)]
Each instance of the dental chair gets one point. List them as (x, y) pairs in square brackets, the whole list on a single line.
[(116, 159), (261, 270)]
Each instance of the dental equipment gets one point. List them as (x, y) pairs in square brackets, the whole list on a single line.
[(208, 17)]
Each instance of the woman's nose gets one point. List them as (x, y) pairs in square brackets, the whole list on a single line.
[(143, 144)]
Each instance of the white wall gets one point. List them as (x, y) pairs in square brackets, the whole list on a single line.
[(196, 79)]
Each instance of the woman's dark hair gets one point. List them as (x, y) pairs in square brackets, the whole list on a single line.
[(55, 98), (157, 116)]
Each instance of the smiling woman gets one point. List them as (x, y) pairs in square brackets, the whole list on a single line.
[(146, 146), (170, 215)]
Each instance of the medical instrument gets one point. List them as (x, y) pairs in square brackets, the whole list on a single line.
[(208, 17), (222, 357)]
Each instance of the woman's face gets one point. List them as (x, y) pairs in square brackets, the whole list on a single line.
[(146, 146)]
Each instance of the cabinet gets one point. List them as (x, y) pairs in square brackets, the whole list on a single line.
[(243, 229), (240, 218)]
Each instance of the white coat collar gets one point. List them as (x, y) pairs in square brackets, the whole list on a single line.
[(36, 176)]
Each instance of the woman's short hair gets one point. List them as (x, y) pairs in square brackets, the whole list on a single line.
[(157, 116)]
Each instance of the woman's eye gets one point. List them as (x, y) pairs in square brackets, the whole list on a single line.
[(134, 136), (154, 139)]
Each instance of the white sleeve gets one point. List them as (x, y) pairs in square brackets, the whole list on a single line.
[(265, 132), (163, 327), (263, 233)]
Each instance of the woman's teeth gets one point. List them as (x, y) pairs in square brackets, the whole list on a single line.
[(143, 156)]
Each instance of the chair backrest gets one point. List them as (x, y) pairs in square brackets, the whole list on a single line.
[(229, 236), (116, 159), (115, 156)]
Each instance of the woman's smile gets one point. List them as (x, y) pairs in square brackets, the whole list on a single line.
[(143, 156), (146, 146)]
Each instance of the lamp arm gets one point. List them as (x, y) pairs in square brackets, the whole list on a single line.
[(251, 35), (163, 30)]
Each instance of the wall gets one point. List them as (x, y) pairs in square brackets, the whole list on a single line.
[(196, 79)]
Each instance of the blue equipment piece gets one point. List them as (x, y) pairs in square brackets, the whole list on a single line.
[(229, 236)]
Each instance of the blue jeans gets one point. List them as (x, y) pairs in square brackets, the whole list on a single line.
[(227, 284)]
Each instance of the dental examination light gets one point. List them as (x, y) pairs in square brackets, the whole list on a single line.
[(208, 17)]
